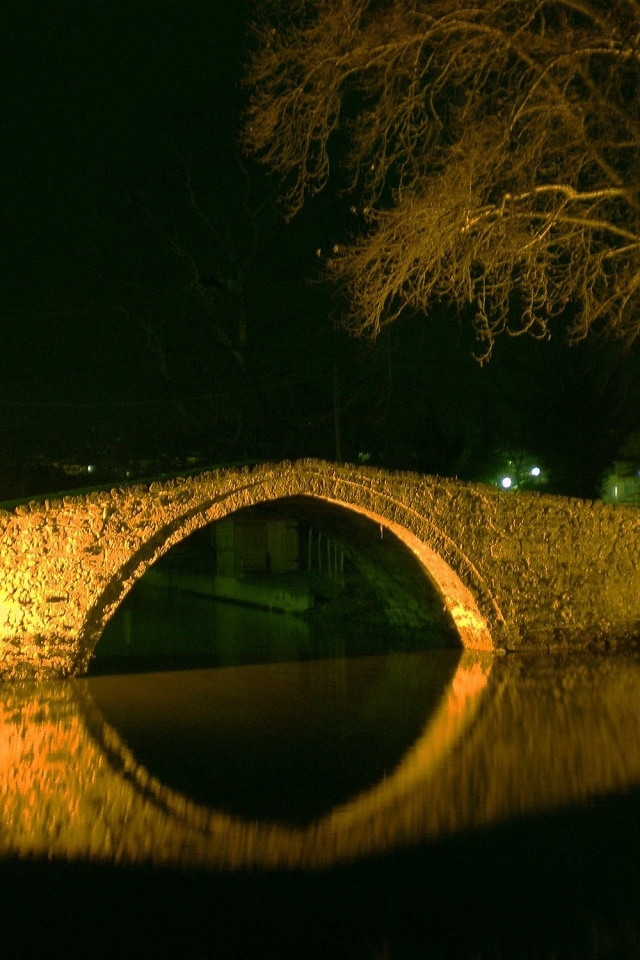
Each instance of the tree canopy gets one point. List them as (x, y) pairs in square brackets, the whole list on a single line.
[(491, 149)]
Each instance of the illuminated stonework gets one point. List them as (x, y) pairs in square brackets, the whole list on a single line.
[(512, 570)]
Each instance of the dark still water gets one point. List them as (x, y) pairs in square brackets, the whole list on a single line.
[(281, 790)]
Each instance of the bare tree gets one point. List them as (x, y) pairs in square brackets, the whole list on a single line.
[(493, 148)]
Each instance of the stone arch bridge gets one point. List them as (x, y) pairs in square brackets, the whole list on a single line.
[(513, 571)]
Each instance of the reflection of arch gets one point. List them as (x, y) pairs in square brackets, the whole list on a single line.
[(464, 592), (546, 737), (76, 791)]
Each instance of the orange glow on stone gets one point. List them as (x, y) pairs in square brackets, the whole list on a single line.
[(511, 570)]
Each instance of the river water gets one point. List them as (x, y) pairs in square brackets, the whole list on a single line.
[(231, 782)]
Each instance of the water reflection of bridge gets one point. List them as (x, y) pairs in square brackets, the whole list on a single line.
[(507, 738)]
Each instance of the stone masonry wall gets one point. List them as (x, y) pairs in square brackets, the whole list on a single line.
[(513, 570)]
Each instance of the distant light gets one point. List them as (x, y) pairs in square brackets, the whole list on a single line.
[(91, 468), (506, 482), (535, 471)]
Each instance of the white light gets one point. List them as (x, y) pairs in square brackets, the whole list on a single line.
[(91, 468), (535, 471), (506, 482)]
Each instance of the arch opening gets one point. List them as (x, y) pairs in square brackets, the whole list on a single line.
[(440, 588), (336, 573)]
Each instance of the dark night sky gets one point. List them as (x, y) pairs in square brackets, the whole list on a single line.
[(89, 89), (102, 102)]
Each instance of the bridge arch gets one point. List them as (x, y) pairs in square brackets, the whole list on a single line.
[(514, 572), (464, 593)]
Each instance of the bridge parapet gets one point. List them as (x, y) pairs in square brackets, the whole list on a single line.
[(512, 570)]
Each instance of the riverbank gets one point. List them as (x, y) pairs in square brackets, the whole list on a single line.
[(285, 592)]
